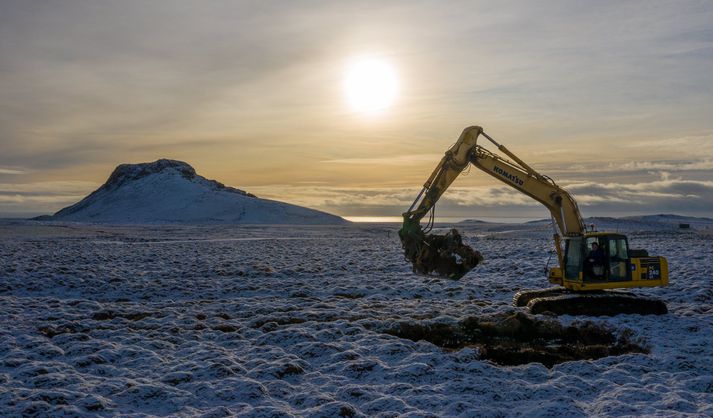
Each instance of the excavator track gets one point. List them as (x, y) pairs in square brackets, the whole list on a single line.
[(523, 297), (559, 301)]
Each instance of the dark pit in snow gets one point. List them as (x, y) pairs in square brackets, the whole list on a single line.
[(516, 338)]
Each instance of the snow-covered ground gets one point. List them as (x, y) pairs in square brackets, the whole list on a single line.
[(281, 321)]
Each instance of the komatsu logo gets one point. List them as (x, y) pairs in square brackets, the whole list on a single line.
[(512, 177)]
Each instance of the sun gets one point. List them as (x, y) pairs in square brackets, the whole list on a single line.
[(370, 85)]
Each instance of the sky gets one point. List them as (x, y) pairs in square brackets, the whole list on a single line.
[(612, 99)]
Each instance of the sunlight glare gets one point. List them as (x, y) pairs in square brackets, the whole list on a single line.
[(370, 85)]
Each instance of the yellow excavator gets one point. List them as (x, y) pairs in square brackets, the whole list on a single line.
[(591, 263)]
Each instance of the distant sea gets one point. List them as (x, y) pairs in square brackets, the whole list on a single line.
[(443, 219)]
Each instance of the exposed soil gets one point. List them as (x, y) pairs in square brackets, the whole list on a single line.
[(516, 338), (446, 255)]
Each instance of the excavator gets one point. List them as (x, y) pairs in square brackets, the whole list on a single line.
[(584, 283)]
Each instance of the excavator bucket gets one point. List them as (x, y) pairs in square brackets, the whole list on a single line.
[(446, 255)]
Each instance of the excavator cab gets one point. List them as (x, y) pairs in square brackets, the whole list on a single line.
[(616, 266), (608, 262)]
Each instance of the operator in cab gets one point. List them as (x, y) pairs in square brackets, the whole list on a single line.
[(595, 259)]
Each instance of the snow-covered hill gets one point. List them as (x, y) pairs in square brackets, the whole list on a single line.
[(170, 192)]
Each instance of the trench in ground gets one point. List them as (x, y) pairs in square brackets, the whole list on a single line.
[(516, 338)]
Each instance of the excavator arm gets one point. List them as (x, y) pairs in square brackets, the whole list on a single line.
[(447, 255)]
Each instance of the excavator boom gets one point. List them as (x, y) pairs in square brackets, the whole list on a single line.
[(447, 255)]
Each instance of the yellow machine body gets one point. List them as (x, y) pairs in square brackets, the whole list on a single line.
[(621, 268)]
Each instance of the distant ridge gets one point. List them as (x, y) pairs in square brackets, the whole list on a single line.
[(662, 219), (170, 191), (669, 217)]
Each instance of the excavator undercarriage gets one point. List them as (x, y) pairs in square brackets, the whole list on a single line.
[(561, 301)]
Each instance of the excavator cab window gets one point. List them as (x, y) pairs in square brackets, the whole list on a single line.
[(573, 258), (595, 263), (614, 265), (618, 255), (618, 248)]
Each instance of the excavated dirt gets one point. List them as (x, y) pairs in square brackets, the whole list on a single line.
[(515, 338), (446, 255)]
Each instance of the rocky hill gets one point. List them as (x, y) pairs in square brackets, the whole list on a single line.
[(170, 191)]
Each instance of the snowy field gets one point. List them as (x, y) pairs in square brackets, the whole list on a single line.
[(289, 321)]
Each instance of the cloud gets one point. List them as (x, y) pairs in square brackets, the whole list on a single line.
[(616, 168), (706, 164), (5, 170), (356, 201), (614, 199), (37, 200), (667, 194), (41, 197), (680, 144), (64, 187), (388, 160)]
